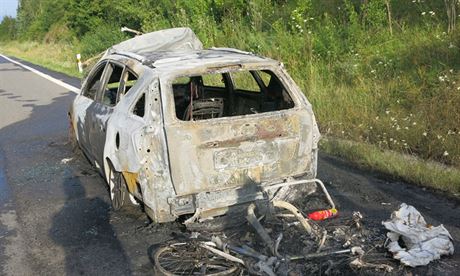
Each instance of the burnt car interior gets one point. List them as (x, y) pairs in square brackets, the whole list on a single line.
[(119, 82), (229, 94)]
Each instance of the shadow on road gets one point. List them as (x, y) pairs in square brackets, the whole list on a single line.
[(82, 227), (62, 207)]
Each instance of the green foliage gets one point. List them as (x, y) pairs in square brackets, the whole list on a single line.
[(374, 13), (8, 28), (300, 16), (35, 18), (103, 36)]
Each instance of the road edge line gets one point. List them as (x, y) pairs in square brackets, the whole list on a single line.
[(43, 75)]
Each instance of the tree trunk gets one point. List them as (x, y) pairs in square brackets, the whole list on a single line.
[(390, 24), (451, 10)]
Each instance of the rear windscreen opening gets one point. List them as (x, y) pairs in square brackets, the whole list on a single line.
[(228, 94)]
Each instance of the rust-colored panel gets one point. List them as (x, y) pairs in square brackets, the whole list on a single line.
[(130, 181)]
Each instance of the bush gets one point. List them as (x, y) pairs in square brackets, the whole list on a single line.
[(59, 33), (7, 28), (99, 39)]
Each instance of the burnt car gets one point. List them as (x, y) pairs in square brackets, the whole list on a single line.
[(193, 132)]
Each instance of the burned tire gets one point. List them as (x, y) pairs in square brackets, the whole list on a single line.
[(191, 259), (119, 195), (73, 142)]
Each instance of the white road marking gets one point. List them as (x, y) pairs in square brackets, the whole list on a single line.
[(56, 81)]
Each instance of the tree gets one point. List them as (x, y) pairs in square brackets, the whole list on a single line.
[(8, 28)]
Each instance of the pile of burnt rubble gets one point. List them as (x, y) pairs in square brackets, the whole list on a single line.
[(277, 238)]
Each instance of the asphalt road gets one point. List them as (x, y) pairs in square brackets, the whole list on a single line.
[(55, 215)]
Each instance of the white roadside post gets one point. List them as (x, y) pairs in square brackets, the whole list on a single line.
[(80, 66)]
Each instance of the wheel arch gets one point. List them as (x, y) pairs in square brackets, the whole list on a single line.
[(108, 165)]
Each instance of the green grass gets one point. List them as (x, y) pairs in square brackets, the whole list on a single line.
[(404, 167), (57, 57)]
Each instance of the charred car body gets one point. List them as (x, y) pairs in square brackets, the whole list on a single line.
[(189, 131)]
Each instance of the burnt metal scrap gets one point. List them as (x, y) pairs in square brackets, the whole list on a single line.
[(194, 133), (273, 245)]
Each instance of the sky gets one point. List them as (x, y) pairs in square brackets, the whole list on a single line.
[(8, 7)]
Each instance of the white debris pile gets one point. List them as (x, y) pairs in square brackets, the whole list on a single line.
[(423, 242)]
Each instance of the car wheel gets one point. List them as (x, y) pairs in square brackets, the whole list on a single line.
[(119, 194), (73, 139)]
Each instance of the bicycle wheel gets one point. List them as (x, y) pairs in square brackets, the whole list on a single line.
[(191, 259)]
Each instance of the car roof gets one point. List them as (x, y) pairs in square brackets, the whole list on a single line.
[(214, 57), (163, 40), (209, 57), (179, 48)]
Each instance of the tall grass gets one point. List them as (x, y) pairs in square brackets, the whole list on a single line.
[(59, 57)]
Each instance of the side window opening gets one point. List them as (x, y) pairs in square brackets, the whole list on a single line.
[(109, 96), (265, 76), (200, 97), (244, 81), (236, 93), (94, 83), (213, 80), (129, 81), (277, 97), (139, 107), (181, 89)]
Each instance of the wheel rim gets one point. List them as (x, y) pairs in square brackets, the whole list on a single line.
[(187, 259), (116, 191)]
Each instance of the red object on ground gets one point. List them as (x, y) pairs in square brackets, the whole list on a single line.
[(323, 214)]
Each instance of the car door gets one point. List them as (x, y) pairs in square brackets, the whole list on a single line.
[(100, 112), (85, 102)]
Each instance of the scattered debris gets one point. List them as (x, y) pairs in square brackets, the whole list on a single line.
[(321, 243), (357, 217), (223, 254), (356, 250), (291, 208), (321, 254), (66, 160), (261, 231), (289, 243), (194, 235), (423, 242), (359, 263), (323, 214)]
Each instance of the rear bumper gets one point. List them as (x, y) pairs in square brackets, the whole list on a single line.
[(216, 203)]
